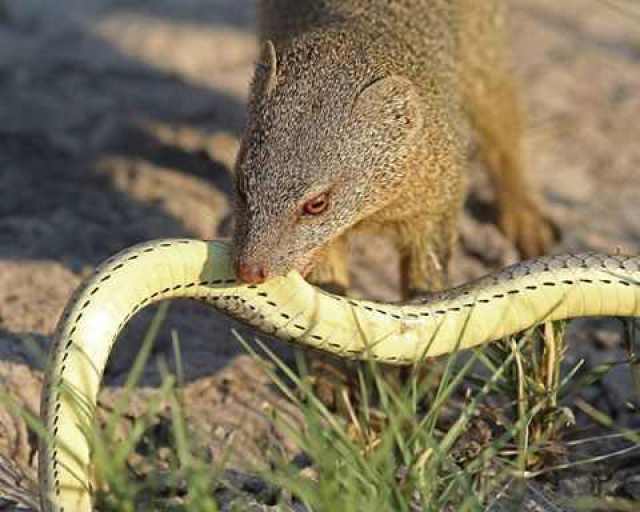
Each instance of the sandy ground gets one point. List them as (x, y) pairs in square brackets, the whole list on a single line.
[(119, 123)]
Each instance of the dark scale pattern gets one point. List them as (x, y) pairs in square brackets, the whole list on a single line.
[(546, 264)]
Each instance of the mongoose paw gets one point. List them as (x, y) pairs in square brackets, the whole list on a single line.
[(532, 233), (332, 381)]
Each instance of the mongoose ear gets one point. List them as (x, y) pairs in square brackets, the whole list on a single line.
[(266, 69), (393, 103)]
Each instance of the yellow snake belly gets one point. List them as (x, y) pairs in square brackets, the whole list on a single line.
[(550, 288)]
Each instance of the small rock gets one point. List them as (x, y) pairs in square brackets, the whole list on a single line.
[(580, 485), (631, 486), (608, 335)]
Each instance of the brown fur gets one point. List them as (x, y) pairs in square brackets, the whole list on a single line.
[(370, 100)]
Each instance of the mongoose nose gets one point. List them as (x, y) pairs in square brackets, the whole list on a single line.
[(251, 274)]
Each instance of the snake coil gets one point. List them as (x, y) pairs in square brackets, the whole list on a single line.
[(550, 288)]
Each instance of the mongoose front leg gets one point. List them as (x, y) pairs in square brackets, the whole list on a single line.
[(498, 121), (492, 102), (331, 377), (425, 249)]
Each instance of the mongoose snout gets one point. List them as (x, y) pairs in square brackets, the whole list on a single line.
[(251, 274), (256, 272)]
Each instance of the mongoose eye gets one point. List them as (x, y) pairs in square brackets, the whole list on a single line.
[(317, 205)]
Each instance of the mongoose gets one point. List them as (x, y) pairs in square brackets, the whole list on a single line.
[(358, 117)]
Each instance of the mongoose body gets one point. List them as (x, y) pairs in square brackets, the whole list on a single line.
[(358, 119)]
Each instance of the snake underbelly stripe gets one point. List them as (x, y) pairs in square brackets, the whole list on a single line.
[(551, 288)]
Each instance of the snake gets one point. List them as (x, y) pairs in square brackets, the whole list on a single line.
[(289, 308)]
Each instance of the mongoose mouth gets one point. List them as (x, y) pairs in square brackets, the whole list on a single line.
[(258, 274)]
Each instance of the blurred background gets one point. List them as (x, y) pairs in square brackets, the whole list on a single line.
[(119, 123)]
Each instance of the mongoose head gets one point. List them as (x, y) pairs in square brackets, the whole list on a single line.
[(326, 139)]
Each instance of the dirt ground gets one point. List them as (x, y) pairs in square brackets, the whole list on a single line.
[(119, 123)]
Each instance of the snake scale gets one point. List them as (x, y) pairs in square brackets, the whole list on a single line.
[(512, 300)]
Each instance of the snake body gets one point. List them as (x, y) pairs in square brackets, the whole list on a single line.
[(550, 288)]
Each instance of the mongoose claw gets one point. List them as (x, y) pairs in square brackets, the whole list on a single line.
[(532, 233)]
